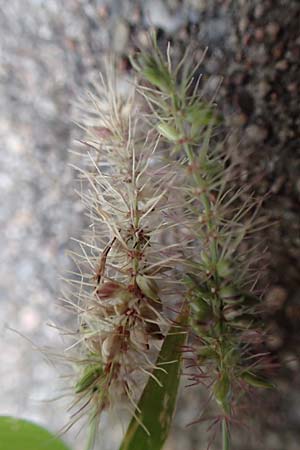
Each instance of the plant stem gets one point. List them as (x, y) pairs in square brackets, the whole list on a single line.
[(205, 200), (225, 435), (92, 429), (198, 179)]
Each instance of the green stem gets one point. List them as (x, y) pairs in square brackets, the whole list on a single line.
[(199, 181), (225, 435), (92, 429), (212, 231)]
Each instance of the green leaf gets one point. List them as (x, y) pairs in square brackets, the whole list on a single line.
[(199, 114), (256, 381), (156, 72), (149, 429), (168, 132), (221, 391), (148, 287), (19, 434), (91, 373)]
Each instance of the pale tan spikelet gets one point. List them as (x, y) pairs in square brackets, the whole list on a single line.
[(123, 263)]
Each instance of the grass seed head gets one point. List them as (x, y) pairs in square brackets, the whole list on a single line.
[(127, 190)]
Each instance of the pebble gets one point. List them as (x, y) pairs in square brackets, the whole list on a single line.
[(246, 39), (260, 55), (293, 313), (157, 14), (120, 36), (276, 298), (256, 133), (292, 87), (239, 119), (135, 16), (291, 361), (282, 65), (246, 102), (273, 441), (103, 11), (199, 5), (263, 88), (277, 51), (259, 11), (272, 30), (259, 34), (275, 338), (143, 38), (243, 24)]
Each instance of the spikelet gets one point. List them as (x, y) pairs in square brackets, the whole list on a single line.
[(124, 263)]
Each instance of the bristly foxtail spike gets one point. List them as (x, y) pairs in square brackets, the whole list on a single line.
[(117, 288), (220, 265)]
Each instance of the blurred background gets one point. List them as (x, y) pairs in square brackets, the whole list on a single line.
[(49, 50)]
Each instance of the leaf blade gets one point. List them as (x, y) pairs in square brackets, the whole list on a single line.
[(157, 403), (19, 434)]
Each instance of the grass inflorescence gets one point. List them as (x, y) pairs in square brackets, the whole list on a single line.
[(221, 273), (167, 222), (124, 264)]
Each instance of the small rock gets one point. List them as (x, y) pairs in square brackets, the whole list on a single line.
[(243, 24), (291, 361), (263, 88), (293, 313), (173, 4), (135, 16), (276, 298), (199, 5), (103, 11), (183, 34), (295, 53), (273, 441), (274, 97), (121, 36), (239, 120), (260, 54), (156, 13), (292, 87), (277, 51), (272, 29), (256, 133), (259, 34), (143, 38), (259, 11), (214, 30), (282, 65), (246, 102), (246, 39), (275, 339), (238, 78)]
